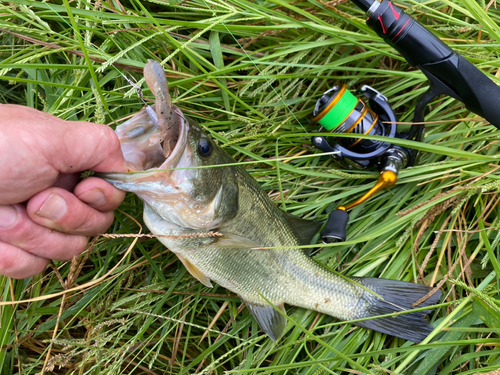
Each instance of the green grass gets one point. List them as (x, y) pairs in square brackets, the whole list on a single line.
[(251, 72)]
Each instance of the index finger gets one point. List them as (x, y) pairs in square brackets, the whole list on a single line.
[(67, 146), (86, 145)]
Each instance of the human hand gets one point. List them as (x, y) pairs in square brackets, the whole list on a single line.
[(40, 160)]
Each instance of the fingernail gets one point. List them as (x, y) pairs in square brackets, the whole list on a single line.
[(8, 216), (94, 197), (54, 208)]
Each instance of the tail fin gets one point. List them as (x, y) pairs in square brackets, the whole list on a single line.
[(398, 295)]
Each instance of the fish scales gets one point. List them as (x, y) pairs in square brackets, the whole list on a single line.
[(290, 274), (226, 199)]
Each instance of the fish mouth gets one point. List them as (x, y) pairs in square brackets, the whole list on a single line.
[(149, 150)]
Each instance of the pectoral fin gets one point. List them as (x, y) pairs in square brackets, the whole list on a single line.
[(270, 320), (233, 241), (195, 271)]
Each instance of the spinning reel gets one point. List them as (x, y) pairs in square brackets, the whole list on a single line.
[(339, 111)]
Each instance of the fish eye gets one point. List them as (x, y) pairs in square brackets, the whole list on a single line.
[(205, 148)]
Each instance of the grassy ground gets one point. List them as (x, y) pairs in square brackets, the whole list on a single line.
[(251, 71)]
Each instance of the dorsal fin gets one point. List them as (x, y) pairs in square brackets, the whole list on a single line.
[(305, 229), (270, 320)]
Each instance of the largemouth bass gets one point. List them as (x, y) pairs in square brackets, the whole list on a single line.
[(227, 200)]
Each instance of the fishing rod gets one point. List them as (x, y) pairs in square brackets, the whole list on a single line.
[(339, 111)]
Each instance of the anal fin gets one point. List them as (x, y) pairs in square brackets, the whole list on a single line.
[(193, 270), (270, 320)]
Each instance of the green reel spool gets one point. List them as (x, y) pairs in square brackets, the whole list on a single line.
[(333, 110)]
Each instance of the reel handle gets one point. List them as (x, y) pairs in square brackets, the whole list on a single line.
[(335, 228)]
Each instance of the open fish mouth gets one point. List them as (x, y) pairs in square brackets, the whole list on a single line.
[(148, 148), (156, 138), (151, 154)]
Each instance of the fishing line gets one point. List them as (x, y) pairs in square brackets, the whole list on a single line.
[(282, 195), (139, 90), (214, 13), (149, 110)]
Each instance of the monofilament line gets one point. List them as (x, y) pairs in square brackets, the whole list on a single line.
[(190, 235)]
